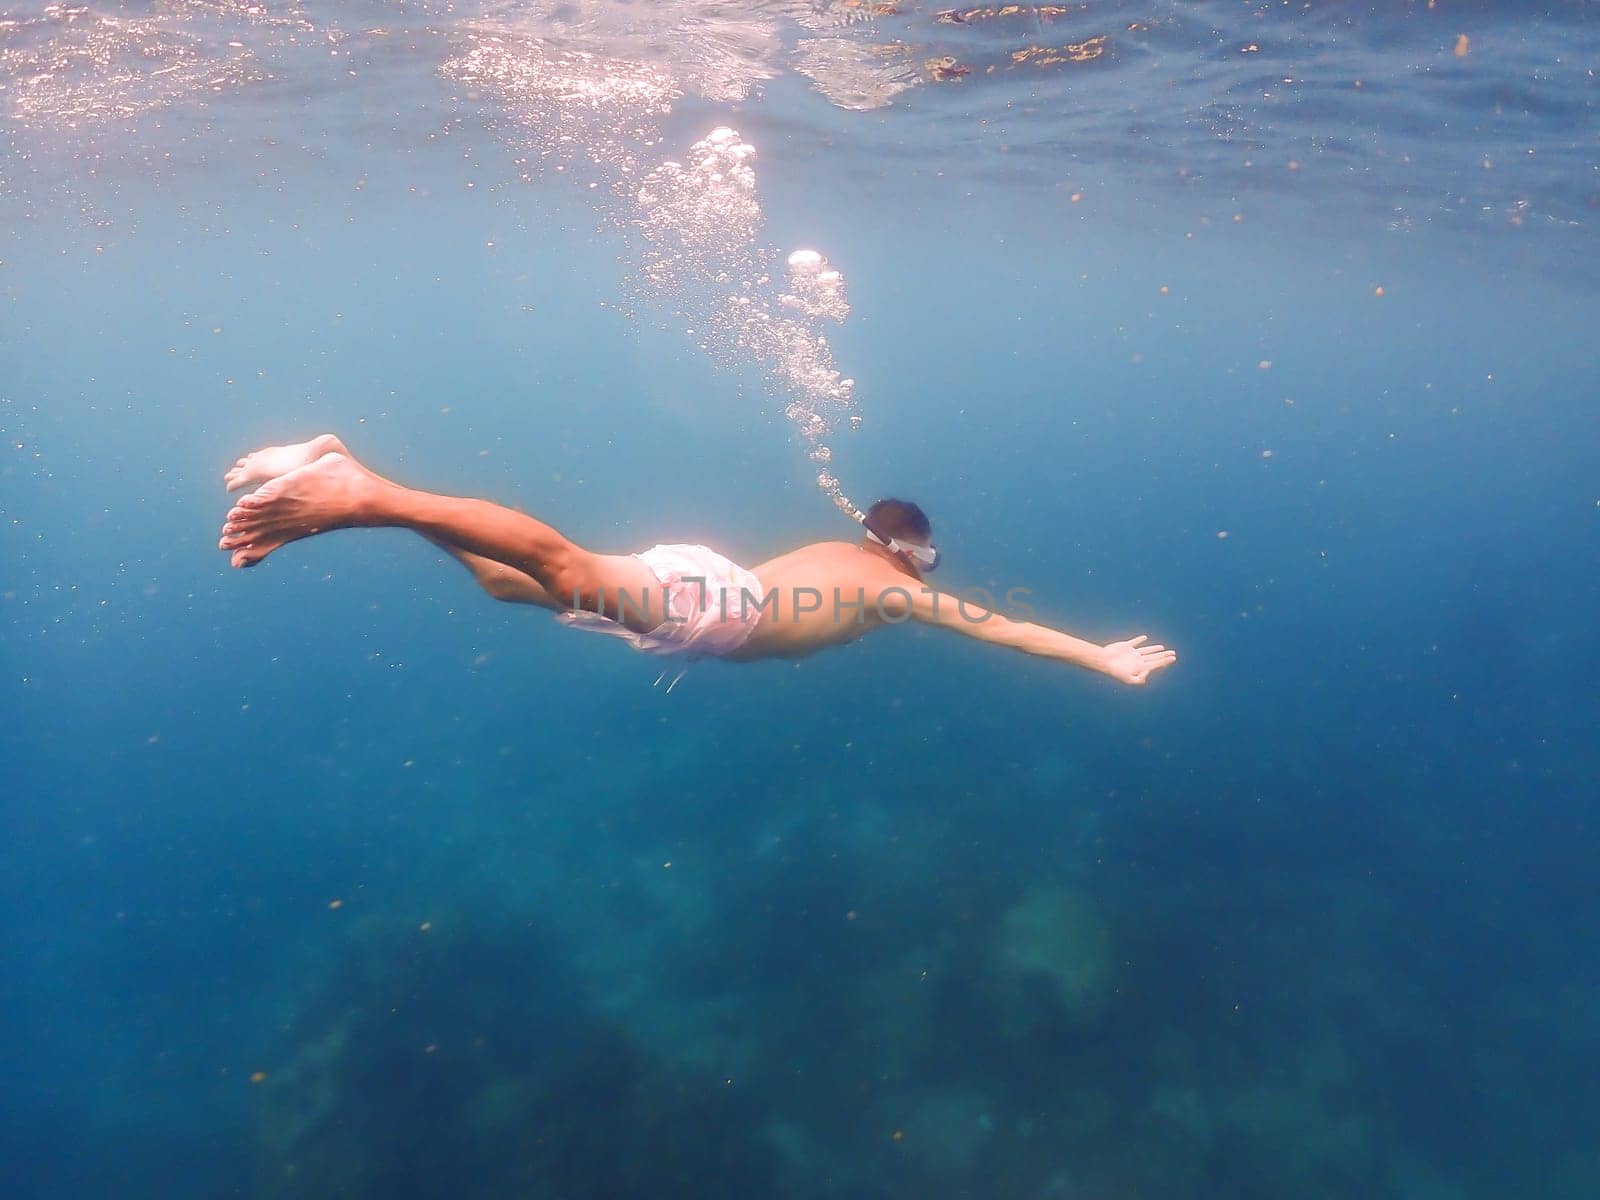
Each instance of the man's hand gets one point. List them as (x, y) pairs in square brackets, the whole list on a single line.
[(1134, 662)]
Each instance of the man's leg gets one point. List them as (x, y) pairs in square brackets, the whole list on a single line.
[(336, 492), (500, 581)]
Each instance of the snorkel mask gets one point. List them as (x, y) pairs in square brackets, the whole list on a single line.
[(926, 557)]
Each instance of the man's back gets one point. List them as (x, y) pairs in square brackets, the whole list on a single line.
[(824, 594)]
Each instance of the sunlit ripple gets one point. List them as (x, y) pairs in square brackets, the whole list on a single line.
[(856, 75), (572, 105), (71, 66), (1384, 110)]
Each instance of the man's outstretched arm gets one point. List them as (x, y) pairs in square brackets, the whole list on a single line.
[(1130, 661)]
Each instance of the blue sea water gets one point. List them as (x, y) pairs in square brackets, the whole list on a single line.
[(1265, 330)]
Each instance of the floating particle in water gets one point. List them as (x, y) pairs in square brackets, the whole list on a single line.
[(1264, 365), (1032, 12), (1463, 45), (1047, 56), (258, 1076), (1377, 291), (1222, 535), (335, 904), (865, 10)]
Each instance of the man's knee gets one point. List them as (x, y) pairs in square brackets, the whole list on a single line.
[(502, 584), (574, 578)]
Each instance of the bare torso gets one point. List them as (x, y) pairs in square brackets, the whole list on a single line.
[(824, 594)]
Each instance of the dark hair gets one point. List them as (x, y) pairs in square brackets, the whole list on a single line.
[(891, 518)]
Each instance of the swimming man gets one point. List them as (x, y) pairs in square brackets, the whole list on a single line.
[(669, 600)]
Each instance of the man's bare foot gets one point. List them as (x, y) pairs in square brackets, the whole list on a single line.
[(331, 493), (273, 461)]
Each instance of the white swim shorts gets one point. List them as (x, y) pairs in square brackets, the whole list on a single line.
[(712, 605)]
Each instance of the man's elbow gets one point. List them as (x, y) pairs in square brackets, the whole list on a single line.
[(502, 585)]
